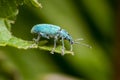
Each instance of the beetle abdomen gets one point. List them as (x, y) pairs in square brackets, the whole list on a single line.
[(46, 29)]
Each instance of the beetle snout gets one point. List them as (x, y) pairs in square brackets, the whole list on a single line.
[(71, 42)]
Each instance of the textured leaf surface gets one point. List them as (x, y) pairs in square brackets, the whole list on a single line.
[(5, 35)]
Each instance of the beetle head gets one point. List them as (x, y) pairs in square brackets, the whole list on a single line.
[(66, 35)]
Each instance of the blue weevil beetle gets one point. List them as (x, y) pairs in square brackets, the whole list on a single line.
[(52, 31)]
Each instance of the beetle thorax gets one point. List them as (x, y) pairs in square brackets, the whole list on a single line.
[(64, 34)]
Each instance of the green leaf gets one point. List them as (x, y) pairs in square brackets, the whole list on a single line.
[(22, 44), (5, 35), (19, 43), (57, 50), (9, 10), (34, 3), (8, 23)]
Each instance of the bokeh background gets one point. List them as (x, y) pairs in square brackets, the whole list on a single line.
[(92, 20)]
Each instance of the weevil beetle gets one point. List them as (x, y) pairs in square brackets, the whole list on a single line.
[(52, 31)]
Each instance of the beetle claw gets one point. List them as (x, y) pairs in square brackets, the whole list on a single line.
[(35, 40), (52, 52), (63, 51)]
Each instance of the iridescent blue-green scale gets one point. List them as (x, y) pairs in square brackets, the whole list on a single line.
[(48, 29)]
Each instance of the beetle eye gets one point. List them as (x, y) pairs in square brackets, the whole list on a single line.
[(72, 42)]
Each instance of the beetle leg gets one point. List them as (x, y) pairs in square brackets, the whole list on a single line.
[(55, 40), (63, 47), (71, 47), (37, 40)]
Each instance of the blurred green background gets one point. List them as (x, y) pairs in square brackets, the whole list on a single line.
[(92, 20)]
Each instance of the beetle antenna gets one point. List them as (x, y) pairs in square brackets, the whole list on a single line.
[(77, 42), (79, 39)]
